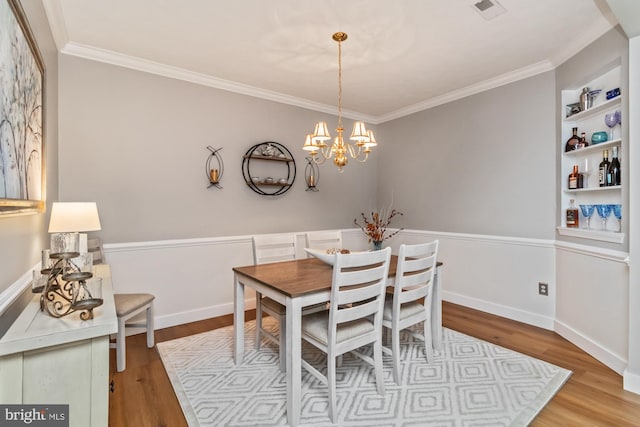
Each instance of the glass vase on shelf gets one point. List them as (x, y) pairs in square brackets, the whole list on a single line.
[(377, 245)]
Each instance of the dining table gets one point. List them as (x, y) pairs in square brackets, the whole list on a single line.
[(297, 284)]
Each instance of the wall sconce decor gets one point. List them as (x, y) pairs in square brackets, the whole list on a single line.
[(311, 174), (214, 167)]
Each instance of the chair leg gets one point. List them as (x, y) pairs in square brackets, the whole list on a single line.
[(150, 327), (121, 346), (258, 319), (282, 335), (377, 359), (395, 353), (428, 341), (331, 384)]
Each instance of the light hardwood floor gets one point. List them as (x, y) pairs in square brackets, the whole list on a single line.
[(593, 396)]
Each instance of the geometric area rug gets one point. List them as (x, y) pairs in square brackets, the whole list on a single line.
[(470, 383)]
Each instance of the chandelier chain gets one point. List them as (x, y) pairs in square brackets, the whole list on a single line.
[(340, 84)]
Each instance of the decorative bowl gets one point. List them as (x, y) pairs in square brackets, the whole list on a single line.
[(599, 137), (322, 255), (325, 257)]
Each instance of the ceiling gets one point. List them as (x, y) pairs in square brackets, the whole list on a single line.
[(401, 56)]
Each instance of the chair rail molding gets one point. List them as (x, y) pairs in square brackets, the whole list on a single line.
[(192, 279)]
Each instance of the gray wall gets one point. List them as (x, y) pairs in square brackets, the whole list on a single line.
[(136, 144), (484, 164), (23, 237)]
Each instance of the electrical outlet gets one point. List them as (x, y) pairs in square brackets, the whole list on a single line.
[(543, 288)]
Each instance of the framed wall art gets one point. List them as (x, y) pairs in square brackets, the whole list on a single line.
[(22, 157)]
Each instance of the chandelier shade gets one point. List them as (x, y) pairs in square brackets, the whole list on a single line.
[(339, 150)]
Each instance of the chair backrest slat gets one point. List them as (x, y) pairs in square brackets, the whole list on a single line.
[(358, 288), (348, 314), (269, 248), (415, 271), (324, 239)]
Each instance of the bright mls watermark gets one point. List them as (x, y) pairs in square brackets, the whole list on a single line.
[(34, 415)]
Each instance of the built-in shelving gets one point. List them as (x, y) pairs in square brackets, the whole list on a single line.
[(588, 158)]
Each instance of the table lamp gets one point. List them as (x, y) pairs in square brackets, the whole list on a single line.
[(74, 217)]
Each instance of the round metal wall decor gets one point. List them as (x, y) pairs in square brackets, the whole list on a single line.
[(261, 159)]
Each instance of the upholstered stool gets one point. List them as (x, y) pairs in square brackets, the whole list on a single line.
[(129, 308)]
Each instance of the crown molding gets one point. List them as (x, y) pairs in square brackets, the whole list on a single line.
[(588, 36), (147, 66), (55, 16), (510, 77), (58, 28)]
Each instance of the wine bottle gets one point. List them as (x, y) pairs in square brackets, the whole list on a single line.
[(603, 170), (572, 215), (613, 175), (573, 141), (583, 140), (573, 178)]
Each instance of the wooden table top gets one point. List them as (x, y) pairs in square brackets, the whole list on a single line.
[(298, 277)]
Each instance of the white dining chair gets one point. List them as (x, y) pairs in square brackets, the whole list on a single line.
[(324, 239), (269, 248), (410, 303), (354, 318), (132, 310)]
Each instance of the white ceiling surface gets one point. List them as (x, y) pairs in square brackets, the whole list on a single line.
[(401, 56)]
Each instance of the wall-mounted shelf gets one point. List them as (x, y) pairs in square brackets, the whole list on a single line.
[(593, 148), (269, 168), (600, 235), (588, 190), (597, 109)]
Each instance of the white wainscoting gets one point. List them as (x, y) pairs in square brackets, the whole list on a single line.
[(588, 287), (592, 303), (192, 279), (497, 275)]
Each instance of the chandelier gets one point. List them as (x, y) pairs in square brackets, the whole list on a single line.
[(363, 139)]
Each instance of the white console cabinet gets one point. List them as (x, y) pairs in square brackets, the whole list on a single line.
[(48, 360)]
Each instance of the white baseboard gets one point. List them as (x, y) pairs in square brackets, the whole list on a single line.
[(500, 310), (631, 381), (600, 353), (175, 319)]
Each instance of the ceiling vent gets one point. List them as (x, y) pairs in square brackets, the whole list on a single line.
[(489, 9)]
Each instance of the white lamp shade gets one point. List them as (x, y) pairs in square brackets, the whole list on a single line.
[(74, 217), (372, 140), (321, 132), (309, 144), (359, 132)]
